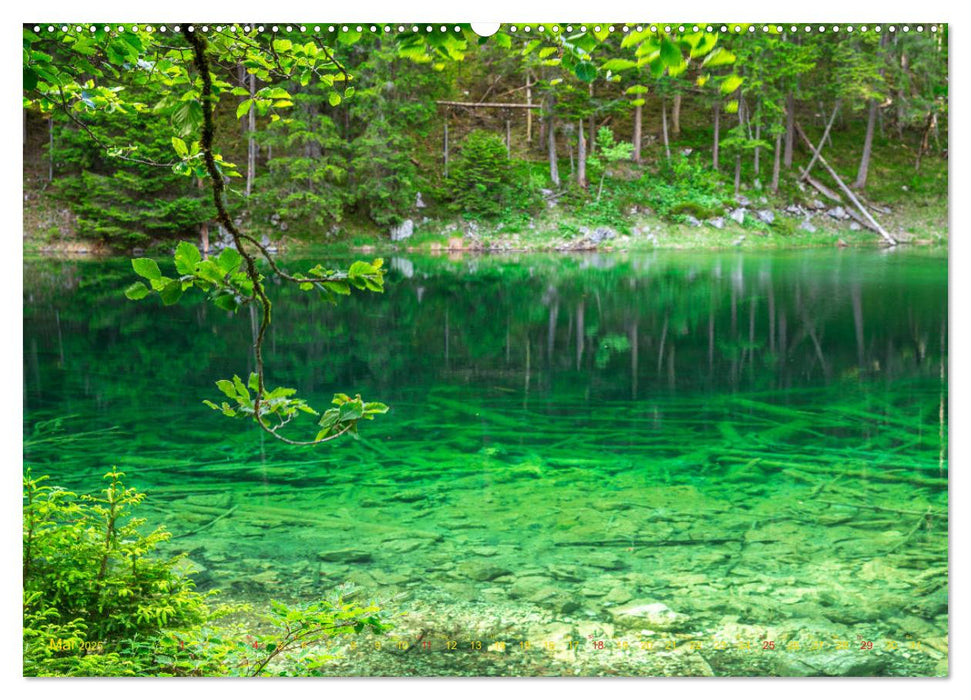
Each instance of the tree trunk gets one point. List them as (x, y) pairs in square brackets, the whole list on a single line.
[(738, 153), (551, 141), (581, 156), (861, 174), (445, 147), (664, 128), (509, 140), (529, 113), (776, 163), (251, 142), (790, 134), (847, 191), (203, 227), (714, 148), (676, 115), (758, 135), (900, 95), (592, 129), (50, 149), (864, 169), (822, 141), (638, 113)]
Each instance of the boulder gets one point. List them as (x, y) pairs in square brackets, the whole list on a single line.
[(403, 231), (738, 215), (718, 223), (838, 213), (601, 234), (766, 216), (807, 226), (692, 221)]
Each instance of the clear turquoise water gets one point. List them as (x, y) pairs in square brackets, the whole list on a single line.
[(681, 449)]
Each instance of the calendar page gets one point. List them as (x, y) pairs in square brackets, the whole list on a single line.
[(423, 349)]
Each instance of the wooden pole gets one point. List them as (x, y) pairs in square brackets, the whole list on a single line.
[(846, 190), (497, 105)]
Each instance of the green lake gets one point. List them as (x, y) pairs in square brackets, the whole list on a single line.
[(605, 464)]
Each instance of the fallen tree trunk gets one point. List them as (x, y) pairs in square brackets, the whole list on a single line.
[(846, 190)]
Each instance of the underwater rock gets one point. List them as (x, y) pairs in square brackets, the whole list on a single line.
[(482, 571), (835, 663), (215, 500), (648, 614), (617, 596), (408, 496), (404, 546), (346, 556), (526, 586), (392, 578), (605, 560)]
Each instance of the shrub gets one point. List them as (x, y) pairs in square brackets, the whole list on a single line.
[(483, 182), (98, 601)]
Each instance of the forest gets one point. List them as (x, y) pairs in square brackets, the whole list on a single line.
[(540, 136)]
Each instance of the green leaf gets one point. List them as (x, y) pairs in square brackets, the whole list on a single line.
[(181, 149), (30, 78), (187, 256), (187, 117), (243, 108), (670, 53), (171, 293), (147, 268), (731, 83), (227, 302), (136, 291), (719, 57), (585, 71), (352, 410), (227, 387), (375, 407), (229, 260), (241, 388), (618, 64), (338, 287), (334, 98)]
